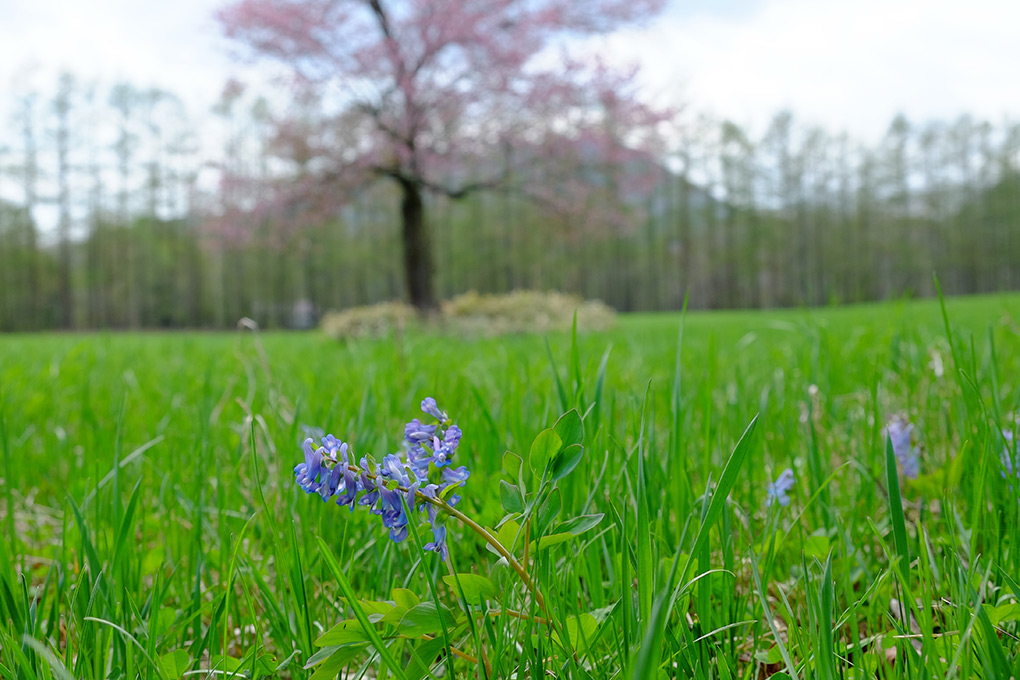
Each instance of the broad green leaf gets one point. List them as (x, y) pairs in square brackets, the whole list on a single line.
[(549, 541), (343, 633), (500, 573), (405, 598), (581, 631), (1004, 612), (373, 606), (392, 617), (476, 588), (549, 510), (507, 533), (228, 664), (423, 619), (580, 524), (334, 663), (770, 656), (510, 497), (570, 428), (175, 664), (816, 547), (161, 622), (564, 462), (512, 465), (546, 445), (422, 658), (320, 656)]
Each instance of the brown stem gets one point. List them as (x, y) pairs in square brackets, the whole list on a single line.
[(491, 540), (494, 542), (518, 615), (456, 652)]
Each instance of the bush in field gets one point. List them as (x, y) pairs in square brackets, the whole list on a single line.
[(472, 314), (524, 311), (372, 321)]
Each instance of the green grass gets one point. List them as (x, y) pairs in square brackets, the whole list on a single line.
[(152, 528)]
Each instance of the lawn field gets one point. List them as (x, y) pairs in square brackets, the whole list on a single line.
[(152, 526)]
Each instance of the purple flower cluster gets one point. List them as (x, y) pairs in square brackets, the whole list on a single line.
[(900, 431), (399, 487), (778, 490)]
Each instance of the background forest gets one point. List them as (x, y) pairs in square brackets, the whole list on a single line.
[(113, 203)]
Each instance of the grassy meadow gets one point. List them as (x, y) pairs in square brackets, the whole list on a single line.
[(152, 526)]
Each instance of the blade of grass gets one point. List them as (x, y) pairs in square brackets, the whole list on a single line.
[(359, 613), (651, 648), (825, 658), (896, 511)]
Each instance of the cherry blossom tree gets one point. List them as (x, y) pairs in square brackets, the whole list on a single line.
[(429, 93)]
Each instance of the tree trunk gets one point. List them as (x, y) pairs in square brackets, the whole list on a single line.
[(62, 106), (418, 268)]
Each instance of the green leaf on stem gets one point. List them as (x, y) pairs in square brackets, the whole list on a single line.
[(570, 428), (510, 497), (564, 462), (425, 619), (546, 445), (476, 588)]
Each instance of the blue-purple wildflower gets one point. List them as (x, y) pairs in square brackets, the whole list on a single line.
[(779, 489), (900, 431), (1010, 456), (401, 486), (429, 406)]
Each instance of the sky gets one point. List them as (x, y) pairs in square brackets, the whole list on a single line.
[(844, 64)]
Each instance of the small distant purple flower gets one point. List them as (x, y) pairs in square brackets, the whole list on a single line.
[(778, 490), (1010, 456), (900, 431)]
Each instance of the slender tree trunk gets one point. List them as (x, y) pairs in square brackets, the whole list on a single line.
[(62, 106), (418, 267), (35, 319)]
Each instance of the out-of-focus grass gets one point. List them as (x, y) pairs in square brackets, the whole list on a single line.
[(138, 543)]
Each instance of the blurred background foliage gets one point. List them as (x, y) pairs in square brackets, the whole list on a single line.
[(112, 205)]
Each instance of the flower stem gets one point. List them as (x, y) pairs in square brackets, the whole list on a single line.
[(481, 531), (494, 542), (453, 650), (491, 540)]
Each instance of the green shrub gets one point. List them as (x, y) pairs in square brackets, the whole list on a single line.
[(524, 311), (472, 314), (372, 321)]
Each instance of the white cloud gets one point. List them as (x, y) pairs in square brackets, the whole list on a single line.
[(173, 45), (846, 65)]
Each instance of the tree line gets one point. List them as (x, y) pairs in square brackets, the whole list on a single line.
[(112, 206)]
